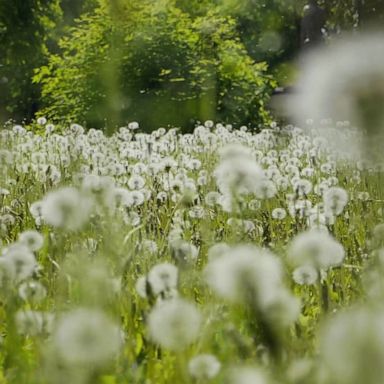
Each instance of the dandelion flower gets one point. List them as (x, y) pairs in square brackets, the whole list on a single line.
[(86, 337), (163, 277), (33, 322), (336, 83), (66, 208), (335, 199), (253, 275), (174, 324), (317, 248), (183, 251), (32, 291), (305, 275), (352, 346), (265, 189), (279, 214), (204, 367), (247, 375), (32, 239), (22, 259), (41, 121), (238, 173)]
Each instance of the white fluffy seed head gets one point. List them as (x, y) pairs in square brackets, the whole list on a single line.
[(242, 269), (352, 346), (204, 367), (32, 291), (305, 275), (32, 239), (162, 277), (359, 84), (217, 250), (86, 337), (66, 208), (238, 172), (174, 324), (317, 248), (247, 375), (279, 214), (33, 323), (22, 260), (335, 200)]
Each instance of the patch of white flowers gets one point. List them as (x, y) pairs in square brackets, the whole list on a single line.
[(179, 244)]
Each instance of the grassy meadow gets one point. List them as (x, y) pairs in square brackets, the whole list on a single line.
[(220, 256)]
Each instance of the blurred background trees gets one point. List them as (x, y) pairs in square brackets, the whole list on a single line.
[(155, 63), (26, 30), (161, 62)]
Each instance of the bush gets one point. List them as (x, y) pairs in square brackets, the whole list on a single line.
[(156, 64)]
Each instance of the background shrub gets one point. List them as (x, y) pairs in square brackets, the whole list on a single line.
[(156, 64)]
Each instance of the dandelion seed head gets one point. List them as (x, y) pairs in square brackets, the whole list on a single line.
[(86, 336), (31, 239), (66, 208), (23, 261), (163, 277), (32, 291), (174, 324), (247, 375), (336, 83), (33, 323), (204, 367), (317, 248), (279, 214), (351, 346), (335, 200), (305, 275)]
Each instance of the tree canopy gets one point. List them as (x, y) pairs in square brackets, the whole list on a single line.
[(91, 60), (25, 31), (126, 60)]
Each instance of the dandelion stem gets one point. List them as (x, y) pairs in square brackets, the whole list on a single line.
[(324, 296)]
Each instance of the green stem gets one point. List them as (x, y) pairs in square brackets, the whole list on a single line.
[(324, 296)]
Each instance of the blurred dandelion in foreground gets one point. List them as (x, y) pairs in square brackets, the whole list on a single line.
[(31, 239), (162, 278), (252, 275), (174, 324), (239, 173), (352, 347), (203, 367), (335, 199), (86, 337), (22, 261), (316, 248), (305, 275), (345, 82), (32, 291), (33, 323), (248, 375), (66, 208)]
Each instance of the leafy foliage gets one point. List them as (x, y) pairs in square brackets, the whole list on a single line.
[(187, 47), (363, 13), (25, 27), (154, 57), (269, 29)]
